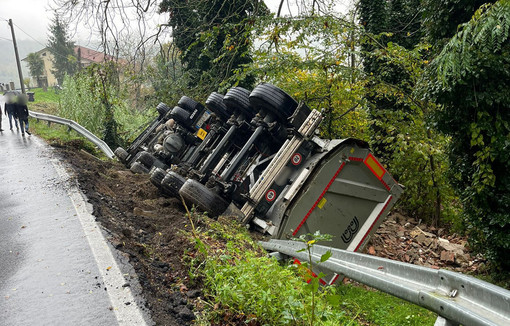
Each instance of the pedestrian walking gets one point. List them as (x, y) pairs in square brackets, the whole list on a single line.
[(22, 113), (10, 110), (1, 117)]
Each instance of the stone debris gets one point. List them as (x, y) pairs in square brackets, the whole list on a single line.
[(406, 239)]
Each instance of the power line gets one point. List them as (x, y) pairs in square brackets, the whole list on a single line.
[(44, 45), (7, 39), (28, 35)]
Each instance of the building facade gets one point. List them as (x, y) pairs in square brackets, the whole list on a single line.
[(85, 57)]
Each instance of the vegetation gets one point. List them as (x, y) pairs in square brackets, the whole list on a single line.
[(470, 80), (231, 266), (36, 66), (95, 98), (430, 96), (213, 37), (49, 96), (62, 48)]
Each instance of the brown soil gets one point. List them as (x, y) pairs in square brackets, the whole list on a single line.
[(143, 225), (147, 227)]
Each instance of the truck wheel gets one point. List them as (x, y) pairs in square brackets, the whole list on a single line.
[(203, 197), (146, 158), (171, 183), (238, 98), (157, 176), (162, 109), (181, 116), (273, 99), (121, 154), (215, 104), (138, 168), (159, 164), (189, 104)]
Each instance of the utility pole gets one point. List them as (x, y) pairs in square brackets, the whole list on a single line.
[(20, 73)]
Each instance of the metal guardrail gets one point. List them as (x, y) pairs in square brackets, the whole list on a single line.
[(76, 127), (455, 297)]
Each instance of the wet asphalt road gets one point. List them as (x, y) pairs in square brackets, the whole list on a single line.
[(55, 268)]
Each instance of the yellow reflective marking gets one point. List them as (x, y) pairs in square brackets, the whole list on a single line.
[(322, 202), (375, 166), (201, 133)]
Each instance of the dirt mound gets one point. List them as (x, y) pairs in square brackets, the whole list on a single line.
[(143, 225)]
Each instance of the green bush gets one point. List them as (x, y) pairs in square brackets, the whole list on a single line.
[(470, 79), (95, 99), (242, 284), (260, 289)]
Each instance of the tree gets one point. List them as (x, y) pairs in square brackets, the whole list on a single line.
[(384, 21), (441, 19), (36, 66), (62, 48), (470, 80), (402, 137), (213, 36)]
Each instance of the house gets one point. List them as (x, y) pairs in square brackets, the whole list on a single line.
[(85, 57)]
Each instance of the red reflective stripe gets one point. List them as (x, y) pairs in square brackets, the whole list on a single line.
[(358, 159), (385, 185), (297, 262), (317, 201), (375, 221)]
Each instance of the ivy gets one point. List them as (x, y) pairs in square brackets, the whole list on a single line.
[(470, 80)]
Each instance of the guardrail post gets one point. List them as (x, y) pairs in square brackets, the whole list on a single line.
[(440, 321)]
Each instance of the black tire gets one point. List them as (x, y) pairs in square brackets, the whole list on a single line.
[(157, 176), (121, 154), (238, 99), (181, 116), (146, 158), (138, 168), (162, 109), (204, 198), (159, 164), (215, 104), (273, 99), (189, 104), (171, 183)]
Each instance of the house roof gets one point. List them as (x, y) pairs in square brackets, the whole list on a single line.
[(92, 55), (86, 54)]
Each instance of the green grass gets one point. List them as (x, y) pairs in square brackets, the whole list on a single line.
[(241, 285), (45, 97), (59, 136), (378, 308)]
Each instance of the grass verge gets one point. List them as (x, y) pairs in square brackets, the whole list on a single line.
[(242, 285), (41, 96)]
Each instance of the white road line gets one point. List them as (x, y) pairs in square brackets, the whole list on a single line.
[(126, 314)]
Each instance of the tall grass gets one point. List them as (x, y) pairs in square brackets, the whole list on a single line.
[(82, 100)]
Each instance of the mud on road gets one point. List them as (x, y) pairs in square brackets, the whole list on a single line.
[(144, 226)]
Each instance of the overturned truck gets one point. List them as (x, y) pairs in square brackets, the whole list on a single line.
[(256, 155)]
